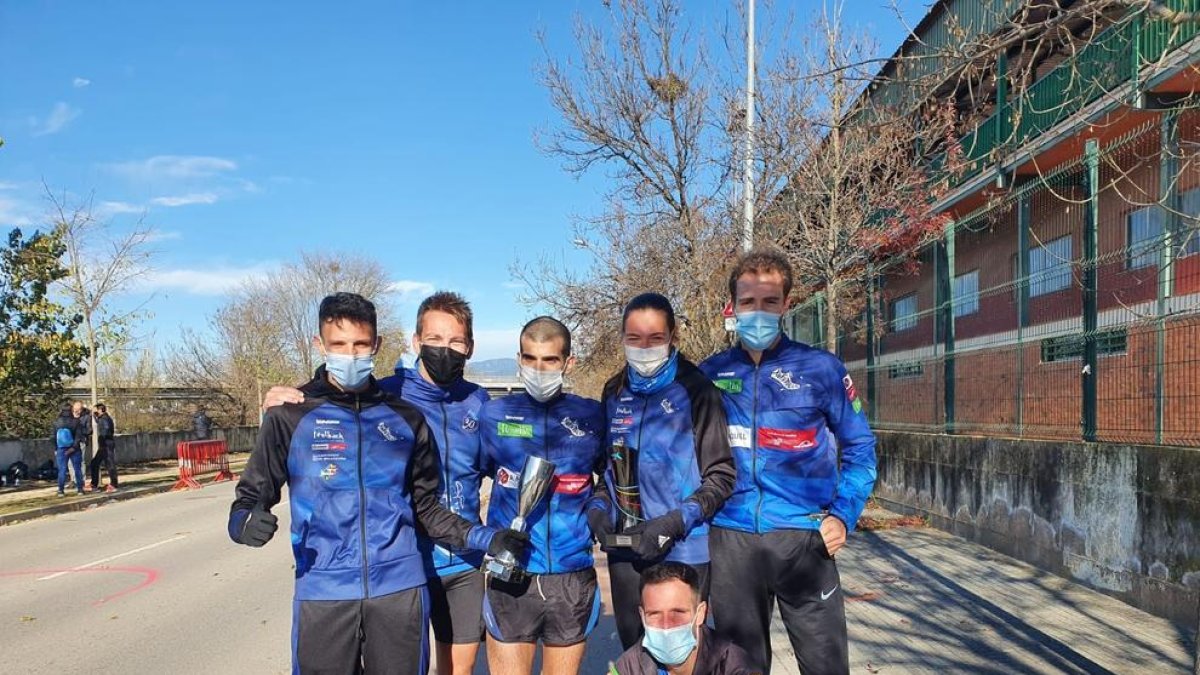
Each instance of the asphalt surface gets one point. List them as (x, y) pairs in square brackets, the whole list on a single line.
[(154, 585)]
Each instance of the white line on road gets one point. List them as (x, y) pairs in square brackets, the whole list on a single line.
[(112, 557)]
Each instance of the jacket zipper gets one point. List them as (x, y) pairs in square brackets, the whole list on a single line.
[(446, 465), (754, 451), (362, 497), (640, 452), (550, 500)]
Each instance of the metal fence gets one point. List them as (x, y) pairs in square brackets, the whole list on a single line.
[(1068, 307)]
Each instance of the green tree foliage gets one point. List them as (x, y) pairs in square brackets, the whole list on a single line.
[(38, 349)]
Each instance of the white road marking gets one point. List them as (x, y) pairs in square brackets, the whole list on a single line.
[(112, 557)]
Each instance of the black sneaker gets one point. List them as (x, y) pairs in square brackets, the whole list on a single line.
[(61, 493)]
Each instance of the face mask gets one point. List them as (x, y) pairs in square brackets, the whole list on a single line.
[(542, 385), (444, 365), (350, 372), (757, 330), (670, 646), (646, 361)]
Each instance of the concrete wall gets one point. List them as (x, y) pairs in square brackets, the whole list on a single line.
[(1122, 519), (131, 448)]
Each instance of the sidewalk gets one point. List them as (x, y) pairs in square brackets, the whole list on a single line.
[(36, 499), (923, 601)]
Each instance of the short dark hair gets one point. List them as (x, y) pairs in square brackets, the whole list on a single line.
[(758, 261), (655, 301), (101, 407), (348, 307), (547, 328), (666, 571), (451, 303)]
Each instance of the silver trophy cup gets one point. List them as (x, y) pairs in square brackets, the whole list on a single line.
[(536, 477)]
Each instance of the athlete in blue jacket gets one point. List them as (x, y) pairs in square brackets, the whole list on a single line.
[(557, 602), (671, 416), (792, 411), (444, 340), (363, 473)]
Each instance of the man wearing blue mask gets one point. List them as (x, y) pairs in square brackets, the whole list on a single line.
[(805, 460), (443, 339), (363, 474), (676, 641)]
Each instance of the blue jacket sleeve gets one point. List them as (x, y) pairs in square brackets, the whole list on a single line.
[(844, 410)]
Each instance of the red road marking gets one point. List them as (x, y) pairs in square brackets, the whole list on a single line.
[(149, 576)]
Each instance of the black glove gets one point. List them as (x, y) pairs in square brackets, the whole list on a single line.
[(258, 529), (600, 525), (509, 540), (658, 535)]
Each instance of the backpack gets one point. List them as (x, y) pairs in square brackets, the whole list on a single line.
[(64, 438)]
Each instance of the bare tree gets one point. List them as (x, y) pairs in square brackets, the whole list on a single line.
[(852, 186), (639, 101), (262, 335), (102, 264)]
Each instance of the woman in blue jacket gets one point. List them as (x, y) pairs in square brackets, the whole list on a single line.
[(662, 410)]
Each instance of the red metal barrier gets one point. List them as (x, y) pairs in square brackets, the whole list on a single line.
[(200, 457)]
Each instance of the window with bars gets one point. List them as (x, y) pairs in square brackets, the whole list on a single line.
[(1050, 266), (1066, 347), (904, 313), (966, 293), (1143, 236)]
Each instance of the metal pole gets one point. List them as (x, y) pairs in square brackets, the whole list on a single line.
[(872, 388), (946, 311), (1169, 184), (1024, 209), (748, 174), (1090, 245)]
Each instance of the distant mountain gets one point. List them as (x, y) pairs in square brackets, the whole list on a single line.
[(493, 369)]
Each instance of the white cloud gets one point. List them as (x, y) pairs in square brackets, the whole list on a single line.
[(60, 116), (163, 235), (411, 291), (8, 186), (217, 280), (185, 200), (15, 213), (80, 82), (173, 166), (114, 208)]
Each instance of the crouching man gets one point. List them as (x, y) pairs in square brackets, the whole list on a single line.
[(362, 472), (676, 641)]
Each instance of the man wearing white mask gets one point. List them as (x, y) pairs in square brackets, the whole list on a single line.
[(556, 602), (666, 418), (676, 640)]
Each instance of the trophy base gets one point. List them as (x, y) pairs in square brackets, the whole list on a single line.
[(506, 573), (621, 540)]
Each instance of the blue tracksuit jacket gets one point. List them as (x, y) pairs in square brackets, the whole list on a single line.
[(453, 417), (568, 431), (788, 417), (362, 475), (683, 456)]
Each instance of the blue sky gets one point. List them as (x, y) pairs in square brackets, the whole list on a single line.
[(248, 131)]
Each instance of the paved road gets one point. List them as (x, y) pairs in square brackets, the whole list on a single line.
[(154, 585)]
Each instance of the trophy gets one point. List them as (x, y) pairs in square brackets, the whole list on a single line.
[(535, 481), (629, 499)]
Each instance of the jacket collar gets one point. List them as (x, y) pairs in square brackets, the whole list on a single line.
[(781, 345), (319, 387)]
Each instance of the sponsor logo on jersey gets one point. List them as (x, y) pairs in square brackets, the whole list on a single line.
[(729, 374), (320, 434), (573, 427), (514, 418), (329, 422), (469, 423), (327, 447), (385, 431), (624, 410), (852, 394), (511, 430), (329, 471), (507, 478), (729, 385), (572, 483), (667, 406), (784, 378), (787, 439), (739, 436)]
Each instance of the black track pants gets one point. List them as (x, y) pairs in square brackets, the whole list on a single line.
[(384, 635), (750, 572)]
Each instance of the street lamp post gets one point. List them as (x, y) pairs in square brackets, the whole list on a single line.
[(748, 174)]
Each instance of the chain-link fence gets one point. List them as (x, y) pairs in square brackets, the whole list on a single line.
[(1067, 307)]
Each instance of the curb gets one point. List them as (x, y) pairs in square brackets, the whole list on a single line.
[(92, 501)]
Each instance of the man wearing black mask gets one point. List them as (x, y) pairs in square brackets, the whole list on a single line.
[(443, 340)]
